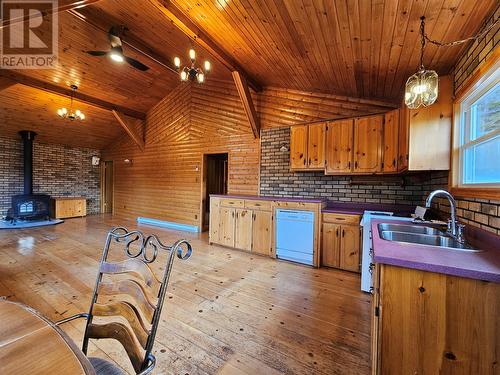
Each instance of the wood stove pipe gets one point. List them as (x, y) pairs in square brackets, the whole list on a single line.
[(27, 137)]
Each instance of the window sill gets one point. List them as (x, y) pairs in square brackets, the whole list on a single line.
[(483, 193)]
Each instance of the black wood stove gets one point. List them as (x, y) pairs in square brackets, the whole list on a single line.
[(29, 206)]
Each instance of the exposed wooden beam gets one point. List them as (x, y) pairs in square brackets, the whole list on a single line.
[(63, 5), (55, 89), (246, 99), (131, 129), (5, 83), (193, 31)]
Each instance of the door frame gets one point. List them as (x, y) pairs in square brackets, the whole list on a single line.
[(203, 182), (102, 183)]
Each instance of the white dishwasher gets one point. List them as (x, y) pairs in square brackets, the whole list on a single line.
[(295, 235)]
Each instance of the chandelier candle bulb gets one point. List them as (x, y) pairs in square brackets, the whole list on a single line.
[(207, 66), (200, 77), (177, 62), (192, 54)]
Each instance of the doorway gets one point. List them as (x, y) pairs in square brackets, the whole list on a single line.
[(214, 181), (107, 187)]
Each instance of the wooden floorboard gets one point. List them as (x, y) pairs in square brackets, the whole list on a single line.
[(226, 312)]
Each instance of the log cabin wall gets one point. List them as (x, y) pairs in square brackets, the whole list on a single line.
[(57, 170), (163, 182)]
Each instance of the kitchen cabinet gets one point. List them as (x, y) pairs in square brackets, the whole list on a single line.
[(67, 207), (368, 144), (213, 231), (341, 241), (227, 221), (339, 143), (261, 232), (298, 147), (425, 133), (243, 229), (247, 223), (307, 147), (391, 142), (316, 146), (431, 323)]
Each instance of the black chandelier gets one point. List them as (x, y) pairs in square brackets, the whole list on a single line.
[(191, 72)]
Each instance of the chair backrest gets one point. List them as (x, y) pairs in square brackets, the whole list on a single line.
[(144, 292)]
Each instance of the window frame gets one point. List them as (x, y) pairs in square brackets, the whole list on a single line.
[(479, 84)]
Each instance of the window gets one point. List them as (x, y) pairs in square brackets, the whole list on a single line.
[(476, 135)]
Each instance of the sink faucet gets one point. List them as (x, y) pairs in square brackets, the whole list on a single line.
[(452, 227)]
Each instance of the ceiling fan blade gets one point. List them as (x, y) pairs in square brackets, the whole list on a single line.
[(136, 64), (97, 53)]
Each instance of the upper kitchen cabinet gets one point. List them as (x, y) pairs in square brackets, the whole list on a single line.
[(391, 142), (368, 144), (425, 133), (307, 147), (298, 147), (339, 142)]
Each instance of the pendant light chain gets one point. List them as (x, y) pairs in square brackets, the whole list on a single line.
[(422, 41), (457, 42)]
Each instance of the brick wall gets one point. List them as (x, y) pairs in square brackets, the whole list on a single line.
[(482, 213), (57, 170), (477, 53), (276, 179)]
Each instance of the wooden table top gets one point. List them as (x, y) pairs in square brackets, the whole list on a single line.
[(32, 344)]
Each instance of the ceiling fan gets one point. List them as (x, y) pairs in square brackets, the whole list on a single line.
[(116, 51)]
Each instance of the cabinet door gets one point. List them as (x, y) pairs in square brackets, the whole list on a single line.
[(243, 229), (349, 247), (391, 140), (316, 146), (403, 154), (339, 142), (214, 222), (298, 147), (226, 227), (261, 232), (367, 144), (330, 250)]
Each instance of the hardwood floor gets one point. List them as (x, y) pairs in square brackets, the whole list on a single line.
[(226, 312)]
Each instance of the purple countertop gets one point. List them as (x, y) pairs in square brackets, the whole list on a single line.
[(358, 208), (269, 198), (484, 265)]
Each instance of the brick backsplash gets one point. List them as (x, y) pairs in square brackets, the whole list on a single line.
[(277, 180), (57, 170)]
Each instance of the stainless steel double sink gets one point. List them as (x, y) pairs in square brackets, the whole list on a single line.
[(421, 235)]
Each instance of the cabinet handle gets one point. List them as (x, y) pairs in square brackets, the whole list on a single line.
[(337, 232), (343, 232), (253, 216), (349, 164), (355, 165), (304, 161), (394, 162), (233, 213)]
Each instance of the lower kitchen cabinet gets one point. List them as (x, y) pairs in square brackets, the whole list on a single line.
[(430, 323), (243, 229), (227, 221), (341, 241), (261, 232), (247, 229)]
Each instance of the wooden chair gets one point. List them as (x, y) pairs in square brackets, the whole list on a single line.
[(144, 294)]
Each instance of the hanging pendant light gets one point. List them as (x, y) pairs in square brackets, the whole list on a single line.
[(422, 87), (65, 114), (191, 72)]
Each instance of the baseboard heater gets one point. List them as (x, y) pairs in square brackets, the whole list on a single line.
[(168, 224)]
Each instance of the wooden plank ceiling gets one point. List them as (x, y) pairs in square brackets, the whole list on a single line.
[(354, 48), (26, 108), (360, 48)]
